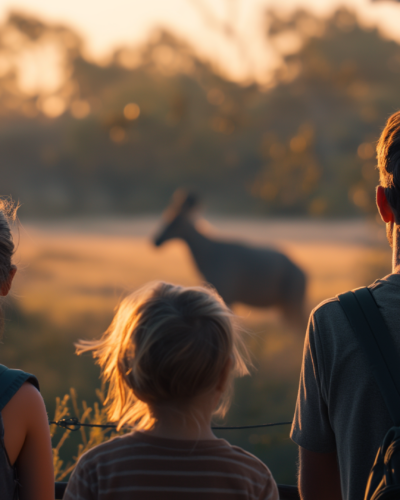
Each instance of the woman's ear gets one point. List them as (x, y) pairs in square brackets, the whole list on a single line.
[(384, 208), (5, 287)]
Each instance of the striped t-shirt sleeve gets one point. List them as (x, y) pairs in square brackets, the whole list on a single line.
[(80, 487), (270, 491)]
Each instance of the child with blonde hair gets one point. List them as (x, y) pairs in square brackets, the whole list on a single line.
[(169, 357)]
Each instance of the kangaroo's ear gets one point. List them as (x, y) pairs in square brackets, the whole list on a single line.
[(184, 202)]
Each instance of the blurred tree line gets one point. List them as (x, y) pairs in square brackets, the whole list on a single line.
[(120, 136)]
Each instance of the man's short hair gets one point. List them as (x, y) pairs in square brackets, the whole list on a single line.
[(388, 154)]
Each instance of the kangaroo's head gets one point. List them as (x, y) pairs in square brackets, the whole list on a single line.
[(182, 205)]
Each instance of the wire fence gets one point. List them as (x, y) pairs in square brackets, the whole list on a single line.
[(73, 424)]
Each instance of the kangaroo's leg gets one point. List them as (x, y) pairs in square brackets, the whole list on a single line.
[(295, 316), (294, 306)]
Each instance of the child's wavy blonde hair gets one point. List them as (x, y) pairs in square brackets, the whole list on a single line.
[(166, 344)]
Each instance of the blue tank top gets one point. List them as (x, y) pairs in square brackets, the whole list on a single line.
[(10, 383)]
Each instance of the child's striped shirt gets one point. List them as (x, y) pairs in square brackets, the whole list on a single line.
[(143, 467)]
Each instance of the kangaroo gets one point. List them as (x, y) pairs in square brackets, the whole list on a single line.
[(260, 277)]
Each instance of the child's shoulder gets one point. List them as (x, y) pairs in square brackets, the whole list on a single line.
[(242, 459), (247, 465), (115, 446), (248, 459)]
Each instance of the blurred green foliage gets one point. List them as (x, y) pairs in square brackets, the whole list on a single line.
[(303, 146)]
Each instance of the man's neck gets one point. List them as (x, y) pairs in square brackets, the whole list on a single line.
[(396, 249)]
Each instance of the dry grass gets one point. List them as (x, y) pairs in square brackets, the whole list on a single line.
[(90, 436)]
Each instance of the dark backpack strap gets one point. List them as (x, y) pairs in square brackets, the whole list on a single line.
[(11, 381), (371, 330), (381, 333)]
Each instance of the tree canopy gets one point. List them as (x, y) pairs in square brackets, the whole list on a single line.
[(121, 135)]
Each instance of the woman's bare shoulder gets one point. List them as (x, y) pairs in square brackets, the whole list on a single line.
[(24, 416), (26, 398)]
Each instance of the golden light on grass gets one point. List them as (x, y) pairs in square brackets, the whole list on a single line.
[(69, 273), (131, 111), (117, 134), (80, 109)]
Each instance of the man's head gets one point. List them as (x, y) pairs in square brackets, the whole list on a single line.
[(388, 193)]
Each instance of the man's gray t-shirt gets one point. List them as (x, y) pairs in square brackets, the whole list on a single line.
[(339, 406)]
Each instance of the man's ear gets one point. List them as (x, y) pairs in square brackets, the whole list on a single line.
[(5, 287), (385, 210)]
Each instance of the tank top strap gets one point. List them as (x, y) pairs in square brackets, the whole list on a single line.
[(11, 381)]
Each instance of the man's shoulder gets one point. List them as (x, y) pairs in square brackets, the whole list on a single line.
[(326, 308), (331, 307), (328, 319)]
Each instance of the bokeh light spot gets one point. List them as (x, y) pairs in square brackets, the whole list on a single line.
[(53, 106), (80, 109), (131, 111), (298, 144), (117, 134), (359, 197), (365, 151)]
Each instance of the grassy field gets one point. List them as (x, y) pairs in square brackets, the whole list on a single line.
[(73, 273)]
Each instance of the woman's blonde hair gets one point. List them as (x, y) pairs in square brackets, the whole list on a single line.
[(166, 344), (8, 214)]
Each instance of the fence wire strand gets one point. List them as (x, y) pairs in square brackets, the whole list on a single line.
[(73, 424)]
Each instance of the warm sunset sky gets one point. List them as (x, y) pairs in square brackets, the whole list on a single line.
[(108, 23)]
